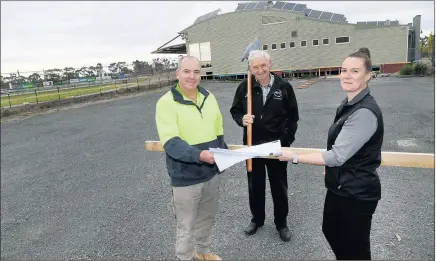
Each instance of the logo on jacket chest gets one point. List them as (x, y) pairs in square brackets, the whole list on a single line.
[(277, 95)]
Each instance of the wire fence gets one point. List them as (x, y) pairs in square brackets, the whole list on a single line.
[(23, 96), (84, 75)]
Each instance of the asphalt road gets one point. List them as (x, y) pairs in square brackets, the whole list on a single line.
[(78, 183)]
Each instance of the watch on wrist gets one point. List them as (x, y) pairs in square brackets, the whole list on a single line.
[(295, 159)]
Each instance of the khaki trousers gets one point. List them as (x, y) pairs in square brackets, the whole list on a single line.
[(195, 208)]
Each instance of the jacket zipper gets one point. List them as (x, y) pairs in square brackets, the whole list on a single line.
[(198, 108)]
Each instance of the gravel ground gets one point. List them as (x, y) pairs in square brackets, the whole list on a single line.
[(78, 184)]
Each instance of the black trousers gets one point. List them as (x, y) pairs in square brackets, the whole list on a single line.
[(346, 226), (277, 175)]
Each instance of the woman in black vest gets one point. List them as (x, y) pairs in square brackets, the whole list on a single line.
[(353, 155)]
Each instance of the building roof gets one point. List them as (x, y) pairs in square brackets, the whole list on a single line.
[(173, 49), (277, 6), (297, 8)]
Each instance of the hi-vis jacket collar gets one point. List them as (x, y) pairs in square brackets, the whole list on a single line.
[(178, 96)]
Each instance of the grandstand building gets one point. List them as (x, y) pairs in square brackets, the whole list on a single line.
[(299, 39)]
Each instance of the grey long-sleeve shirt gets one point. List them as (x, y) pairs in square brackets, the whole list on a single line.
[(355, 132)]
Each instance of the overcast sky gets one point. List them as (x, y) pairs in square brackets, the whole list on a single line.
[(44, 35)]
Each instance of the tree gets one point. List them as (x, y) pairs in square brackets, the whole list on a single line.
[(126, 70), (166, 63), (159, 66), (99, 69), (113, 67), (21, 79), (426, 44), (422, 44), (13, 79), (138, 67), (34, 78), (54, 75), (6, 79), (69, 73), (92, 71), (122, 67), (4, 82), (142, 67), (83, 72), (430, 47)]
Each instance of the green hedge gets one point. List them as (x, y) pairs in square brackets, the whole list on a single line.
[(415, 69), (407, 69), (420, 69)]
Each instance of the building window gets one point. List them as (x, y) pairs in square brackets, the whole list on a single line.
[(315, 42), (273, 46), (325, 41), (201, 51), (303, 43), (342, 39), (291, 44), (283, 46), (265, 47), (294, 34)]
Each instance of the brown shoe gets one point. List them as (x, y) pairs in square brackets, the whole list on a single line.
[(208, 256)]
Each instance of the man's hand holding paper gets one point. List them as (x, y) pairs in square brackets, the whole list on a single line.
[(225, 158)]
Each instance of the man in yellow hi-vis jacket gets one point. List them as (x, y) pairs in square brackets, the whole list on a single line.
[(189, 122)]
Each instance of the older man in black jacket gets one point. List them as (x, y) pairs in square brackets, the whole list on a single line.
[(274, 116)]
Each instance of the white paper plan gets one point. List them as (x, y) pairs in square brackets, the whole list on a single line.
[(225, 158)]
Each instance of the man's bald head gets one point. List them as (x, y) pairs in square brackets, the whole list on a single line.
[(184, 58)]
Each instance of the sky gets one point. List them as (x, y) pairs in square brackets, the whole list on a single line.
[(45, 35)]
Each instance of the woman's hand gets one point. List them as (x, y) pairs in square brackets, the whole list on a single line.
[(287, 155)]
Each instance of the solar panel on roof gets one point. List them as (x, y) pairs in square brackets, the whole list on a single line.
[(279, 5), (250, 6), (207, 16), (307, 11), (326, 16), (288, 6), (260, 5), (299, 7), (241, 6), (337, 17), (315, 14)]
